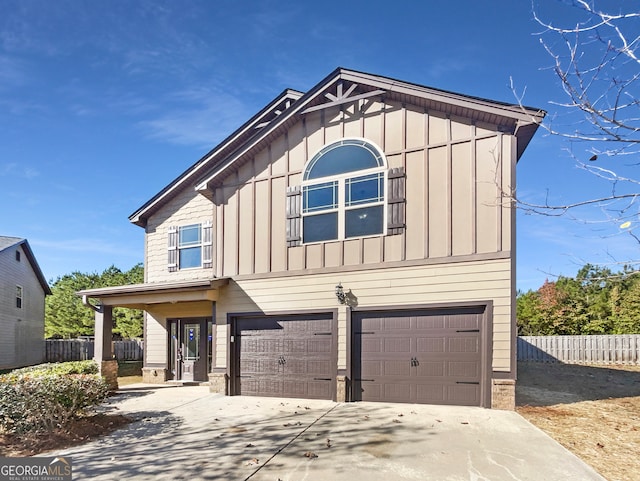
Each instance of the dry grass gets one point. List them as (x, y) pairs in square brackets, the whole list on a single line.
[(594, 411)]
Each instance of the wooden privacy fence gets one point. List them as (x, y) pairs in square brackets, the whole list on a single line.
[(600, 349), (60, 350)]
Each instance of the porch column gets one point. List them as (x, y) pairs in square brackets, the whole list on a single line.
[(103, 352)]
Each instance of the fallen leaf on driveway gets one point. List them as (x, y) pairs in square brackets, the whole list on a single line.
[(251, 462), (328, 443), (396, 420), (249, 445), (310, 454), (464, 422)]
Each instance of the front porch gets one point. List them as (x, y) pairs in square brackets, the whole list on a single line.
[(177, 299)]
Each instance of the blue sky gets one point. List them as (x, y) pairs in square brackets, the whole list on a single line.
[(104, 103)]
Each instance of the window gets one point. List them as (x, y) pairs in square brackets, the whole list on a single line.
[(343, 192), (190, 246), (18, 256), (19, 297)]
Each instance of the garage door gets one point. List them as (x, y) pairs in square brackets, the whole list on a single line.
[(290, 356), (421, 356)]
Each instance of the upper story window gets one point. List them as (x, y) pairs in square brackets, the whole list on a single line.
[(18, 256), (343, 192), (19, 297), (190, 246)]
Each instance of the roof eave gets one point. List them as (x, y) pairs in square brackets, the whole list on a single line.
[(139, 217), (36, 267), (518, 115)]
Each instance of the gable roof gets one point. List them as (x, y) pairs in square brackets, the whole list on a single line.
[(340, 87), (247, 130), (7, 242)]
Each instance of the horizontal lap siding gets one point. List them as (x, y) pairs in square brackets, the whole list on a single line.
[(187, 207), (21, 330), (463, 282)]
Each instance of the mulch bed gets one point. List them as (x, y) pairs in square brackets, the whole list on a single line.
[(76, 432)]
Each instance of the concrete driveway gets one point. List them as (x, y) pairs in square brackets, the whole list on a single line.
[(187, 433)]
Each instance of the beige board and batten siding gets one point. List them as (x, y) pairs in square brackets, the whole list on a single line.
[(21, 329), (454, 175), (467, 282)]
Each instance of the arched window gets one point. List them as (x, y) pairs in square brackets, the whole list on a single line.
[(343, 192)]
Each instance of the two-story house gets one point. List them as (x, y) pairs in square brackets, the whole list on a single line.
[(354, 242), (23, 288)]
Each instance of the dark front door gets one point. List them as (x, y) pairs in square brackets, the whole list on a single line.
[(420, 356), (189, 348), (286, 356)]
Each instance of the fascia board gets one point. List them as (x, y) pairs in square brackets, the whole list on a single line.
[(176, 184)]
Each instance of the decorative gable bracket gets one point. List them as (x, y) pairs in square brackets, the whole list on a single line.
[(343, 96)]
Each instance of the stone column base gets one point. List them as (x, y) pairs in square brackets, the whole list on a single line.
[(341, 389), (218, 383), (154, 375), (109, 371), (503, 394)]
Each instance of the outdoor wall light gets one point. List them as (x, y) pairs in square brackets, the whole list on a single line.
[(342, 297)]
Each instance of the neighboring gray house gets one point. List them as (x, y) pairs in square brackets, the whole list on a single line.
[(22, 292)]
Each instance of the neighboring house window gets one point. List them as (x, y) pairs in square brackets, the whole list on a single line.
[(19, 297), (343, 192), (190, 246), (18, 256)]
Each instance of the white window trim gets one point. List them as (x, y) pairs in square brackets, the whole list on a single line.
[(21, 297), (342, 207), (200, 245)]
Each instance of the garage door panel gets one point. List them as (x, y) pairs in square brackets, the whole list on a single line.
[(430, 322), (430, 344), (372, 345), (397, 345), (292, 356), (431, 369), (430, 393), (397, 391), (371, 368), (464, 370), (438, 360), (396, 368), (396, 324), (464, 344), (464, 394)]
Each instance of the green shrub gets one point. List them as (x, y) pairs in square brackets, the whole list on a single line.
[(43, 399), (71, 367)]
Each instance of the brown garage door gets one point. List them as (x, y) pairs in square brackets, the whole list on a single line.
[(421, 356), (292, 356)]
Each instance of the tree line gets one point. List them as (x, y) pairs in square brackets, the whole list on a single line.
[(66, 317), (595, 301)]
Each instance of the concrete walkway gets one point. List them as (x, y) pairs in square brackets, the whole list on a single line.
[(187, 433)]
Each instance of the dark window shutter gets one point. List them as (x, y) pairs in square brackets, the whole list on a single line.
[(172, 249), (396, 201), (207, 245), (294, 216)]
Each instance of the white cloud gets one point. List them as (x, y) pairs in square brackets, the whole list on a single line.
[(13, 169), (203, 117)]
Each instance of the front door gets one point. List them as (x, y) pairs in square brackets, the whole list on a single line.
[(189, 349)]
